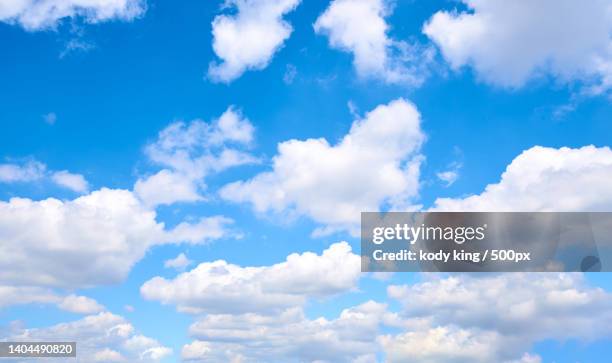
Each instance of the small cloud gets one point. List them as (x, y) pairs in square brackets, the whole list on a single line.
[(353, 109), (76, 45), (290, 73), (180, 262), (451, 175), (74, 182), (80, 305), (129, 308), (50, 118), (28, 172)]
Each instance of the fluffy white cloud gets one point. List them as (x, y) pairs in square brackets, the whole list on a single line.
[(288, 337), (248, 39), (496, 318), (94, 239), (13, 295), (33, 171), (100, 338), (80, 305), (180, 262), (566, 39), (546, 179), (30, 171), (442, 344), (191, 151), (220, 287), (46, 14), (20, 295), (359, 27), (74, 182), (376, 163)]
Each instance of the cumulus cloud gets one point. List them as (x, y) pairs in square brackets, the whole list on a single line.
[(180, 262), (221, 287), (80, 305), (376, 163), (35, 171), (28, 172), (493, 318), (13, 295), (248, 39), (191, 151), (442, 344), (496, 318), (74, 182), (91, 240), (546, 179), (104, 337), (288, 336), (20, 295), (46, 14), (359, 27), (566, 39)]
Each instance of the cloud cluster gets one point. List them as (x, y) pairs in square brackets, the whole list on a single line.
[(377, 163), (35, 15), (19, 295), (566, 40), (492, 318), (248, 39), (546, 179), (359, 27), (191, 151), (288, 336), (495, 318), (32, 171), (220, 287), (104, 337), (92, 240)]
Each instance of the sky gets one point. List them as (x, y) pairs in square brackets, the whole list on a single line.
[(183, 181)]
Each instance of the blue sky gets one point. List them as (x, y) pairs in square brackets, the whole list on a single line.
[(89, 93)]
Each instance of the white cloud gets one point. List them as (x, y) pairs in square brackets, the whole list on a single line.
[(21, 295), (496, 318), (443, 344), (80, 305), (450, 176), (220, 287), (546, 179), (13, 295), (375, 53), (46, 14), (376, 163), (566, 39), (205, 229), (191, 151), (458, 319), (33, 171), (248, 39), (74, 182), (94, 239), (28, 172), (167, 187), (288, 336), (180, 262), (104, 337)]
